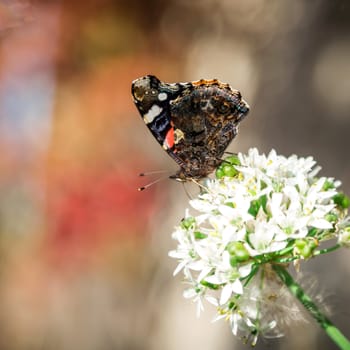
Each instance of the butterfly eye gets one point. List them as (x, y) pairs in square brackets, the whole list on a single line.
[(154, 92)]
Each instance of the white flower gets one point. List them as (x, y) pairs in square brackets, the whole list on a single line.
[(273, 210), (344, 232), (344, 237)]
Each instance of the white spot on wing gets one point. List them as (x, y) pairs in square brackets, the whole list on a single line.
[(152, 113), (162, 96)]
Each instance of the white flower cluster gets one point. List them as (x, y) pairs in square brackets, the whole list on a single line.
[(273, 207)]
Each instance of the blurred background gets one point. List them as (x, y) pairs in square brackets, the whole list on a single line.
[(83, 254)]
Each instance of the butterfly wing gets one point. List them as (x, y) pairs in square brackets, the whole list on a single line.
[(205, 120), (193, 122)]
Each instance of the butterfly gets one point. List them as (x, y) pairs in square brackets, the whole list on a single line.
[(194, 122)]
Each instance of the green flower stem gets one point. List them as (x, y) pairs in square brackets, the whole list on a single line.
[(253, 272), (327, 250), (333, 332), (287, 260), (285, 251)]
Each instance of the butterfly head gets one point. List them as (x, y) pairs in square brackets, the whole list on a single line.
[(145, 92)]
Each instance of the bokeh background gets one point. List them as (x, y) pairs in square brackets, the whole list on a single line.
[(83, 254)]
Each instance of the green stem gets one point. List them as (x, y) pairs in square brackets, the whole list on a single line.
[(333, 332), (327, 250), (255, 269), (315, 253)]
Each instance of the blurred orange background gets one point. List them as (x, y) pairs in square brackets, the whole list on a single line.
[(83, 254)]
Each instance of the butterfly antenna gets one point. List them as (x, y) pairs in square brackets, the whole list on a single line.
[(224, 160), (154, 172), (142, 188)]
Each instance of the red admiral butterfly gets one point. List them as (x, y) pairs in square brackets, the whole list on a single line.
[(194, 122)]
